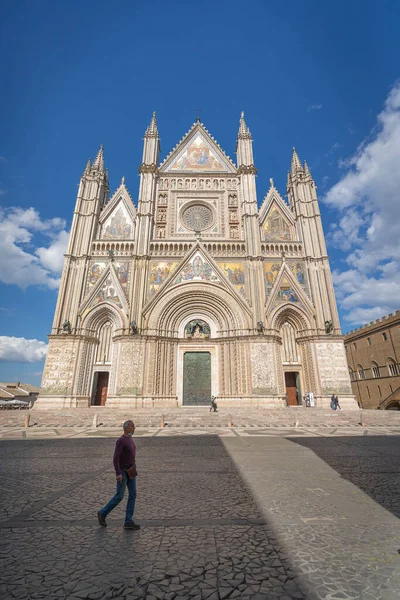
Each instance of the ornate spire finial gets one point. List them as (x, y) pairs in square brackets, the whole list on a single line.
[(98, 163), (296, 164), (123, 180), (244, 131), (271, 182), (88, 165), (306, 169), (152, 128)]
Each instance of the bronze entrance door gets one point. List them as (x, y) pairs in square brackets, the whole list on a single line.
[(101, 388), (196, 378)]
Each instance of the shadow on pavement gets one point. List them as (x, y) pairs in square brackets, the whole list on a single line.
[(203, 534)]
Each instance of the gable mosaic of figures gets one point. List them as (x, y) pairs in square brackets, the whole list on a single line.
[(195, 277)]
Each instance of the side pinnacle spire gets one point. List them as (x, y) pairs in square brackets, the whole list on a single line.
[(306, 169), (244, 131), (296, 164), (152, 128), (98, 163)]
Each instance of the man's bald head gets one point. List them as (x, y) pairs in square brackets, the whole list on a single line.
[(128, 425)]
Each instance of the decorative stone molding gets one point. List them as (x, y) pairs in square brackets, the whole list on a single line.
[(152, 168), (247, 170)]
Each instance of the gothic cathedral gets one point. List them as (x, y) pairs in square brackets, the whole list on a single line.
[(196, 290)]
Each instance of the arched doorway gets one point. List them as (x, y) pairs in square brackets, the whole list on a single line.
[(291, 365)]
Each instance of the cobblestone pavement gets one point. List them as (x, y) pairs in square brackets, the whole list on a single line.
[(235, 515)]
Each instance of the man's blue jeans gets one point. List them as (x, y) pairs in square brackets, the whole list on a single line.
[(119, 495)]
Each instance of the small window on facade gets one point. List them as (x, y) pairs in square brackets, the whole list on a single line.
[(354, 346), (369, 395), (375, 370), (361, 373), (384, 336), (379, 390), (369, 341), (346, 348)]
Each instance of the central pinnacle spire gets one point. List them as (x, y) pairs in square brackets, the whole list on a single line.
[(296, 164), (244, 131), (98, 163), (152, 128)]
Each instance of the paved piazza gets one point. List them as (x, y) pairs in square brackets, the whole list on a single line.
[(224, 514)]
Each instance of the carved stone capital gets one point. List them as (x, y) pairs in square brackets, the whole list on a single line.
[(247, 170), (152, 168)]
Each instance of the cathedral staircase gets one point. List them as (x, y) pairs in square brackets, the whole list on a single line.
[(97, 417)]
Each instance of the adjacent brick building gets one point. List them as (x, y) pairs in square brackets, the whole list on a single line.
[(373, 356)]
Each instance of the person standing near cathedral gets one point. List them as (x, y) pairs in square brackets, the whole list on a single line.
[(125, 470)]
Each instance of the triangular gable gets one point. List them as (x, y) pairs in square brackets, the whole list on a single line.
[(108, 289), (273, 196), (287, 289), (117, 221), (197, 152), (277, 224), (197, 266)]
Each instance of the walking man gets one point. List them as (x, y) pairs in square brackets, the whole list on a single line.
[(213, 406), (337, 405), (124, 460)]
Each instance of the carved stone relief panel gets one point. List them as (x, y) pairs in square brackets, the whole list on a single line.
[(333, 369), (130, 368), (262, 368), (58, 374)]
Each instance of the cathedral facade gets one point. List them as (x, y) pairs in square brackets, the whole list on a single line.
[(196, 290)]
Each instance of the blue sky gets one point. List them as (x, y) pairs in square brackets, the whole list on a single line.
[(318, 76)]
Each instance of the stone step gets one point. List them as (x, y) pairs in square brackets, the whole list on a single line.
[(200, 417)]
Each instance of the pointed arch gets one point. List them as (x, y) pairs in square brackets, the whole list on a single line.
[(295, 315), (101, 314), (173, 307)]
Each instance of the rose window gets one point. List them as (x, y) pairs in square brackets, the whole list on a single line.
[(197, 217)]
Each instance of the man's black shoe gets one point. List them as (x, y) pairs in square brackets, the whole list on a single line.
[(131, 525), (102, 519)]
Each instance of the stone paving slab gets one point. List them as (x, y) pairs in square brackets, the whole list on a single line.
[(223, 516)]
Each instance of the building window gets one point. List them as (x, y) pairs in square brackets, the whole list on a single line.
[(361, 372), (346, 348), (379, 390), (354, 346), (352, 374), (375, 370), (369, 395), (384, 336), (393, 368), (369, 341)]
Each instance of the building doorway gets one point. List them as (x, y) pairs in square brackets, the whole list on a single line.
[(196, 378), (100, 385), (292, 384)]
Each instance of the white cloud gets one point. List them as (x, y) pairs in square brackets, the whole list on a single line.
[(52, 258), (14, 349), (314, 107), (20, 263), (368, 200)]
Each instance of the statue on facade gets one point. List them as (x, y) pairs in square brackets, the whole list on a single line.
[(111, 255), (328, 326), (197, 328), (66, 326), (133, 329), (260, 326)]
